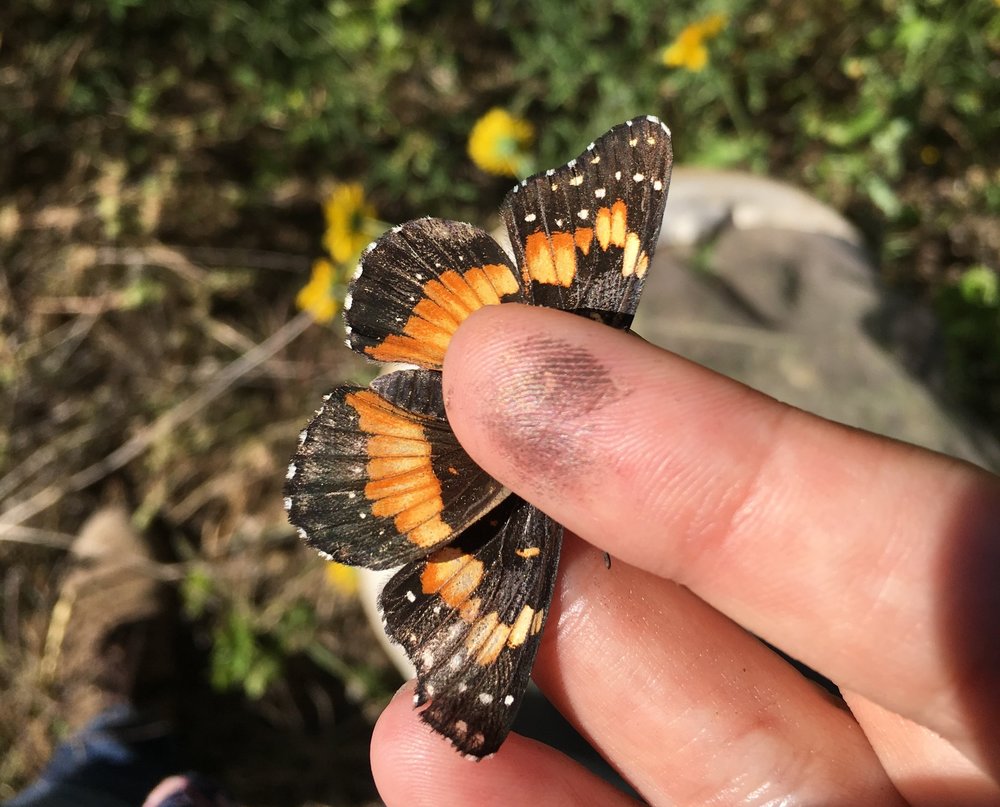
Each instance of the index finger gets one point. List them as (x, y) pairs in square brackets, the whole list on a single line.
[(872, 561)]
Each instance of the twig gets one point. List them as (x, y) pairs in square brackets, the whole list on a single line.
[(168, 421), (39, 460), (186, 258), (18, 533)]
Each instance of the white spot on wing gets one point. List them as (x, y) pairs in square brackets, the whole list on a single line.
[(530, 217), (600, 192), (637, 177), (583, 213), (411, 597), (485, 697), (508, 700), (292, 470)]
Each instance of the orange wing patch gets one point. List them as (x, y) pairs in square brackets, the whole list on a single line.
[(634, 260), (488, 636), (550, 258), (447, 301), (454, 576), (402, 485), (611, 225), (583, 237)]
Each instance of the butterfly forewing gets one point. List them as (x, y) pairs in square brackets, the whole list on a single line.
[(584, 234), (418, 282)]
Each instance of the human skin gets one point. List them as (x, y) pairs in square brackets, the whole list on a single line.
[(729, 516)]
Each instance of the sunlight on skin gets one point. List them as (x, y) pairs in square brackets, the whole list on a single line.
[(786, 524)]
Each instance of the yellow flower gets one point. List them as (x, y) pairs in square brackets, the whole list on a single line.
[(342, 578), (319, 296), (497, 143), (688, 49), (930, 155), (349, 218)]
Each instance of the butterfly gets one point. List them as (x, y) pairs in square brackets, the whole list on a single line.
[(379, 479)]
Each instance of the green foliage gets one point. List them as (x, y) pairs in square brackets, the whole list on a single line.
[(246, 656), (248, 646), (871, 104), (240, 659), (970, 313), (197, 589)]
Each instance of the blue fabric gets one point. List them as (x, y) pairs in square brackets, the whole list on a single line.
[(114, 762)]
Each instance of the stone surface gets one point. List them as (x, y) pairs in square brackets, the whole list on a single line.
[(768, 286)]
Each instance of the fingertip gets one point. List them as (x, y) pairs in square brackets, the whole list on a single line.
[(413, 766), (473, 347), (400, 757), (522, 383)]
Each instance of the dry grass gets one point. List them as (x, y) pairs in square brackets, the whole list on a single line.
[(174, 382)]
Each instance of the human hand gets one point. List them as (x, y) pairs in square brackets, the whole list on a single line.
[(874, 562)]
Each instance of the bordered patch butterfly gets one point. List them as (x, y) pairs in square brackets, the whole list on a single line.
[(379, 480)]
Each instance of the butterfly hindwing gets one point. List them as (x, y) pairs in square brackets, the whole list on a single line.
[(584, 234), (379, 478), (418, 282), (470, 617)]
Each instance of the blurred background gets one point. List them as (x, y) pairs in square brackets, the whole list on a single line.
[(185, 187)]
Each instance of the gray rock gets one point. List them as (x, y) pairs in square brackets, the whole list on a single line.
[(764, 284)]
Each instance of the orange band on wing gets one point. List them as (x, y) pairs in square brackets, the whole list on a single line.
[(446, 301), (550, 258), (402, 484), (455, 576), (611, 225)]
